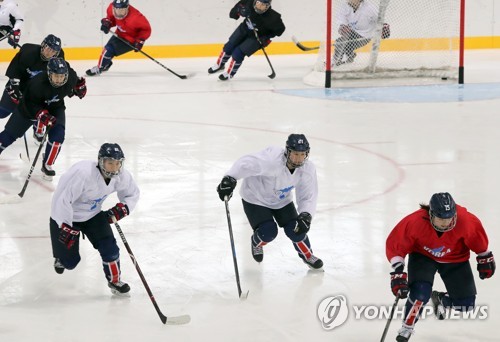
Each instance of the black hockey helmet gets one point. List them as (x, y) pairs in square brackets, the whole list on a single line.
[(120, 3), (52, 42), (113, 152), (299, 143), (443, 206), (258, 10), (55, 68)]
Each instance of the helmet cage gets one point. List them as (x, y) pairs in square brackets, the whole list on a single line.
[(443, 206), (51, 42), (57, 66), (110, 152), (296, 143), (110, 174), (441, 229)]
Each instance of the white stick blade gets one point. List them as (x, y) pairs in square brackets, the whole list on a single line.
[(10, 199), (176, 320)]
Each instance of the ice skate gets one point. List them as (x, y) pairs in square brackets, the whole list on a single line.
[(404, 334), (313, 262), (94, 71), (215, 68), (58, 266), (437, 304), (257, 251), (119, 288), (47, 172), (224, 76)]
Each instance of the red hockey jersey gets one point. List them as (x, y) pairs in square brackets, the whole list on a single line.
[(131, 28), (415, 234)]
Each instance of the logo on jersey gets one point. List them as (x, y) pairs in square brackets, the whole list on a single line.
[(54, 99), (438, 252), (33, 73), (283, 192), (96, 202), (333, 311)]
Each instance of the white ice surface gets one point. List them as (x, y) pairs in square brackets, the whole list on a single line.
[(375, 161)]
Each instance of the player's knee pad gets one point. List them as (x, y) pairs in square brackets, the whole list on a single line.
[(57, 134), (464, 304), (289, 231), (238, 55), (70, 262), (108, 249), (6, 139), (267, 231), (421, 291), (109, 51)]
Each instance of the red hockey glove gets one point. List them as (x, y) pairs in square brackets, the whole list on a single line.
[(80, 89), (399, 283), (68, 236), (119, 211), (45, 118), (138, 44), (486, 265), (14, 38), (105, 25), (303, 223), (386, 31), (12, 89)]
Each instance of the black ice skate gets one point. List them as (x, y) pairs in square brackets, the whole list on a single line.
[(404, 334), (215, 68), (48, 172), (224, 76), (257, 251), (313, 262), (58, 266), (437, 304), (119, 288)]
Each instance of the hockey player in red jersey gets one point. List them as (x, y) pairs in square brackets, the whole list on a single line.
[(437, 238), (131, 25)]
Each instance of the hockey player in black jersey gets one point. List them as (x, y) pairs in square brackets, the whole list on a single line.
[(43, 102), (258, 15)]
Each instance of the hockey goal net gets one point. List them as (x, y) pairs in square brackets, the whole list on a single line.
[(390, 38)]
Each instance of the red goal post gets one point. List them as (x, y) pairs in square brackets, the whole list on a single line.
[(426, 40)]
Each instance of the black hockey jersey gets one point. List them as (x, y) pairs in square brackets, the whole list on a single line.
[(27, 63), (268, 24), (40, 94)]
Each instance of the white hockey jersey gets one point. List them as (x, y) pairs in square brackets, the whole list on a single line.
[(82, 190), (363, 21), (268, 182), (9, 8)]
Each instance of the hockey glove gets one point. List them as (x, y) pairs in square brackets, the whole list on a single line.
[(303, 223), (14, 38), (13, 90), (80, 88), (45, 118), (68, 236), (399, 282), (243, 10), (226, 187), (138, 44), (119, 211), (105, 25), (386, 31), (486, 265)]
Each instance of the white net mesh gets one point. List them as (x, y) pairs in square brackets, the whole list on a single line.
[(423, 41)]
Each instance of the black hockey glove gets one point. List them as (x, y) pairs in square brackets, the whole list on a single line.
[(105, 25), (12, 89), (80, 88), (303, 223), (226, 187), (138, 44), (486, 265), (399, 282), (243, 10), (68, 236), (119, 211)]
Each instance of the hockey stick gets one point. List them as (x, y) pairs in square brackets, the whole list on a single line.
[(23, 190), (26, 146), (307, 48), (233, 249), (273, 74), (389, 320), (173, 320), (148, 56)]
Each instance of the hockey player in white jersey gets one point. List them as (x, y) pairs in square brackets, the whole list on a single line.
[(269, 176), (11, 22), (76, 207)]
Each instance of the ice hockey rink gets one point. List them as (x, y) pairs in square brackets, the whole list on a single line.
[(380, 149)]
